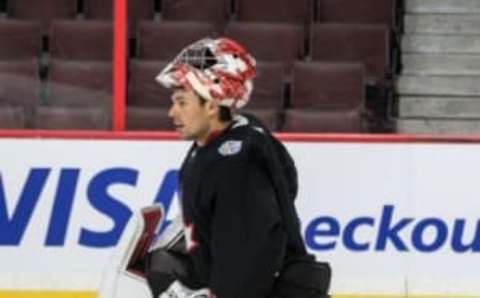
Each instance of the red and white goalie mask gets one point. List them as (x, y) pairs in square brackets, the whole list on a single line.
[(216, 69)]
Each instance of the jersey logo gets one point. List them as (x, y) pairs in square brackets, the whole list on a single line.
[(230, 148)]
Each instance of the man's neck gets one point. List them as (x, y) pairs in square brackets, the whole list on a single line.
[(215, 131)]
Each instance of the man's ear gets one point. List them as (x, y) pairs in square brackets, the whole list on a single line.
[(212, 108)]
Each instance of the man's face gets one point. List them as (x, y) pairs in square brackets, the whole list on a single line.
[(190, 117)]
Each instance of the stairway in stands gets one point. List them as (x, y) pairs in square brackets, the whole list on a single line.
[(439, 87)]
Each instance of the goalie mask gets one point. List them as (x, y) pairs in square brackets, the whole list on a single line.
[(216, 69)]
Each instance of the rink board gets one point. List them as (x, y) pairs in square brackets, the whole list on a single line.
[(393, 219), (39, 294), (47, 294)]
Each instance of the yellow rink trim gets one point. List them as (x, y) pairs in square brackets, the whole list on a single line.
[(402, 296), (87, 294), (47, 294)]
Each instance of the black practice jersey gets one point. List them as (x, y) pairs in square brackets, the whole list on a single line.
[(239, 216)]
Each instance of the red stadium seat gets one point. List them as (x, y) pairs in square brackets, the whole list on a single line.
[(90, 118), (79, 83), (19, 84), (164, 40), (81, 40), (43, 11), (140, 118), (269, 41), (283, 11), (368, 44), (12, 117), (316, 121), (143, 90), (348, 11), (19, 40), (328, 86), (137, 10), (216, 11), (327, 97), (268, 89)]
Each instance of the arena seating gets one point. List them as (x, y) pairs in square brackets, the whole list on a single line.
[(143, 91), (44, 11), (83, 118), (315, 86), (302, 120), (12, 118), (348, 11), (148, 118), (137, 10), (315, 91), (280, 42), (19, 84), (275, 11), (79, 83), (81, 40), (269, 88), (268, 96), (317, 59), (213, 11), (19, 40), (163, 40), (368, 44)]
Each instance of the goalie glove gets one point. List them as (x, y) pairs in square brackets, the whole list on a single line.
[(178, 290)]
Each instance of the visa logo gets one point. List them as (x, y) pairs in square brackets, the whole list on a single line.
[(13, 224)]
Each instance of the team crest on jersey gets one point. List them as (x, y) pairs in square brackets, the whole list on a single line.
[(230, 148)]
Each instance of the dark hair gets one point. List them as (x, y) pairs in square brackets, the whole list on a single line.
[(224, 113)]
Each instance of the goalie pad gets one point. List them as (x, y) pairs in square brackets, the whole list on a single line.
[(178, 290)]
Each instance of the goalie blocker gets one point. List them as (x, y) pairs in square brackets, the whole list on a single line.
[(168, 268)]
